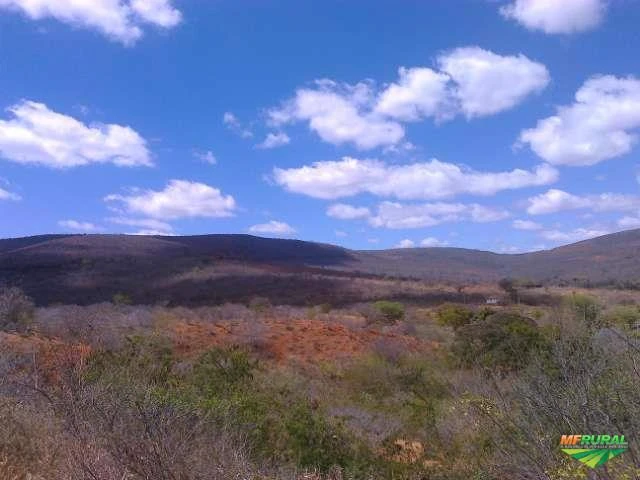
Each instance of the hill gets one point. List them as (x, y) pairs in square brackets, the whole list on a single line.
[(210, 269)]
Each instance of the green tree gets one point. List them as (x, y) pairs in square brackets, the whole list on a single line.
[(453, 315)]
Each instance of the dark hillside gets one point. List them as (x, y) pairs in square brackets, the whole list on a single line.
[(217, 268)]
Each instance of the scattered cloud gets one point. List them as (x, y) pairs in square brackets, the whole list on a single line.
[(526, 225), (148, 226), (419, 93), (206, 156), (600, 125), (233, 124), (406, 243), (471, 81), (119, 20), (273, 228), (555, 200), (487, 83), (402, 216), (629, 222), (421, 180), (180, 199), (6, 195), (339, 113), (274, 140), (571, 236), (430, 242), (341, 234), (38, 135), (510, 249), (76, 226), (373, 240), (554, 16), (343, 211), (152, 233)]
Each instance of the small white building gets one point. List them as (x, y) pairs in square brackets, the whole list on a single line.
[(492, 301)]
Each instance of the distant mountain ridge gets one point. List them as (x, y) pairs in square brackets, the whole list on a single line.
[(86, 268)]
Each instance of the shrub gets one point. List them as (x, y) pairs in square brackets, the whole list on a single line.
[(502, 341), (325, 308), (624, 315), (121, 299), (223, 366), (16, 309), (390, 311), (585, 307), (259, 304), (453, 315)]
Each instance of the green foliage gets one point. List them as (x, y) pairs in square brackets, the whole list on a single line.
[(121, 299), (223, 367), (453, 315), (390, 311), (412, 387), (259, 304), (146, 358), (502, 341), (16, 309), (325, 308), (624, 315), (585, 308), (314, 442)]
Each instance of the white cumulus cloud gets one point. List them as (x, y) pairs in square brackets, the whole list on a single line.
[(38, 135), (471, 81), (395, 215), (600, 125), (343, 211), (406, 243), (422, 180), (433, 242), (180, 199), (487, 83), (419, 93), (555, 200), (119, 20), (526, 225), (340, 113), (273, 227), (556, 16)]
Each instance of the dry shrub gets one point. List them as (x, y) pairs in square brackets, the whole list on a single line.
[(16, 309), (31, 446), (103, 325), (391, 349)]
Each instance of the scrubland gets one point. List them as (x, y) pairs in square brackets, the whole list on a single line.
[(370, 390)]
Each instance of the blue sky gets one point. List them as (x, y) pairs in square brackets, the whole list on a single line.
[(500, 125)]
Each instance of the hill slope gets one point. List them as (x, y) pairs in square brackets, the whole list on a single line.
[(217, 268)]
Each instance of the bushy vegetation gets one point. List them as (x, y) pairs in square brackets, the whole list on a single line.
[(501, 341), (453, 315), (390, 311), (117, 393), (16, 309)]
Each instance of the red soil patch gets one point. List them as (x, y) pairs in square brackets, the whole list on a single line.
[(305, 341), (50, 356)]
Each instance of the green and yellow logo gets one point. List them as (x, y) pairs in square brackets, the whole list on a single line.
[(593, 450)]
